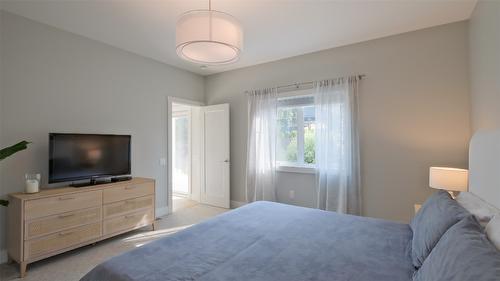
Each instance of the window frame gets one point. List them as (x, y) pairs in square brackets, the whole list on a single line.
[(299, 166)]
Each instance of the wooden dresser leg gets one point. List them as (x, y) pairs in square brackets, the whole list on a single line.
[(22, 269)]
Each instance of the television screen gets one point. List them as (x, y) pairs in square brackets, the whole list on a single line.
[(83, 156)]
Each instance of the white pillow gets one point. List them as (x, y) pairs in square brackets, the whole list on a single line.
[(483, 211), (493, 231)]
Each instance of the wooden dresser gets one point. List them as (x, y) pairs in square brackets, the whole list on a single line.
[(56, 220)]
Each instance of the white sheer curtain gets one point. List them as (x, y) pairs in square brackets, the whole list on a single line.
[(337, 147), (261, 149)]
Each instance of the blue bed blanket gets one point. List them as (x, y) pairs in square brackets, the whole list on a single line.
[(271, 241)]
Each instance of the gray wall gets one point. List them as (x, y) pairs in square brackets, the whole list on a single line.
[(485, 65), (414, 113), (414, 105), (3, 252), (1, 97), (55, 81)]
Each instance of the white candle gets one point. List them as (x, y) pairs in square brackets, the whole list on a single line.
[(32, 186)]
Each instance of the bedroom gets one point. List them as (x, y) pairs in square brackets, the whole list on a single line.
[(430, 83)]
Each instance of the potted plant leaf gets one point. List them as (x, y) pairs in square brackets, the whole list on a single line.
[(8, 151)]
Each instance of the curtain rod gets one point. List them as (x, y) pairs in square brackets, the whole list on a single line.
[(301, 85)]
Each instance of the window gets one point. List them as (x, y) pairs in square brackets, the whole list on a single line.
[(296, 132)]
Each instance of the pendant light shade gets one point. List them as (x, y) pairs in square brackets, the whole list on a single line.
[(208, 37)]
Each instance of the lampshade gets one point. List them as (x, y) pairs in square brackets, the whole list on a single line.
[(208, 37), (450, 179)]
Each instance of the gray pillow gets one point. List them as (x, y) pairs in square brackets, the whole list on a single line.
[(463, 254), (436, 215)]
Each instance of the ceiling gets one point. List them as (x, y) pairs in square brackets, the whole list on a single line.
[(273, 29)]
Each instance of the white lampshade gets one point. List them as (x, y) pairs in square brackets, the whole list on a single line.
[(450, 179), (208, 37)]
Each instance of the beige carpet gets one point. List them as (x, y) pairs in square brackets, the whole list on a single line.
[(179, 203), (74, 264)]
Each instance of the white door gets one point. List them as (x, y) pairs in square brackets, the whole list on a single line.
[(215, 189)]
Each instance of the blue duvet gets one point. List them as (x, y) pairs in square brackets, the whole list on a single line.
[(271, 241)]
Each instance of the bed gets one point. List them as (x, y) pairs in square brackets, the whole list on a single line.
[(272, 241), (283, 242)]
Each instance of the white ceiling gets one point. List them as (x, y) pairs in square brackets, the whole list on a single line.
[(273, 29)]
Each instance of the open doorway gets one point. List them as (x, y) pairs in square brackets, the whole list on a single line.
[(185, 157), (181, 152), (198, 154), (181, 156)]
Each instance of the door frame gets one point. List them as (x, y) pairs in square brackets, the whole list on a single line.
[(170, 101)]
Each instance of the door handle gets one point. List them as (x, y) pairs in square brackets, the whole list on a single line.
[(226, 161)]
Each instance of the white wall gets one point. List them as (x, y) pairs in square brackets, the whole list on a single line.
[(485, 65), (414, 113), (55, 81)]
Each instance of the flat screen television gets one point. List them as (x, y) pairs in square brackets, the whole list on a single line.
[(75, 157)]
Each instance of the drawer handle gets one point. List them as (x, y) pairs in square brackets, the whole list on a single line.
[(130, 216), (66, 198), (130, 187), (66, 216), (123, 203), (66, 233)]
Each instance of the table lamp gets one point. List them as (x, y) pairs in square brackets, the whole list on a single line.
[(452, 180)]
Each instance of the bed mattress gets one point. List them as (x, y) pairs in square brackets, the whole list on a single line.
[(271, 241)]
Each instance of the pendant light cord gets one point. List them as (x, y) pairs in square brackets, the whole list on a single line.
[(210, 20)]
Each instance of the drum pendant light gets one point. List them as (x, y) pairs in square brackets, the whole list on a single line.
[(208, 37)]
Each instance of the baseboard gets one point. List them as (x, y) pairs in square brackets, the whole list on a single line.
[(164, 210), (236, 204), (3, 256), (160, 212)]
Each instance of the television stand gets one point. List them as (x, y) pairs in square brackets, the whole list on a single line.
[(91, 182), (122, 178), (57, 220)]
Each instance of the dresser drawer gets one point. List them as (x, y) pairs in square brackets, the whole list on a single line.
[(61, 204), (128, 222), (130, 191), (127, 206), (52, 224), (61, 240)]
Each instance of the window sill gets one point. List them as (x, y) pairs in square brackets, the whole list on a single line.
[(296, 169)]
